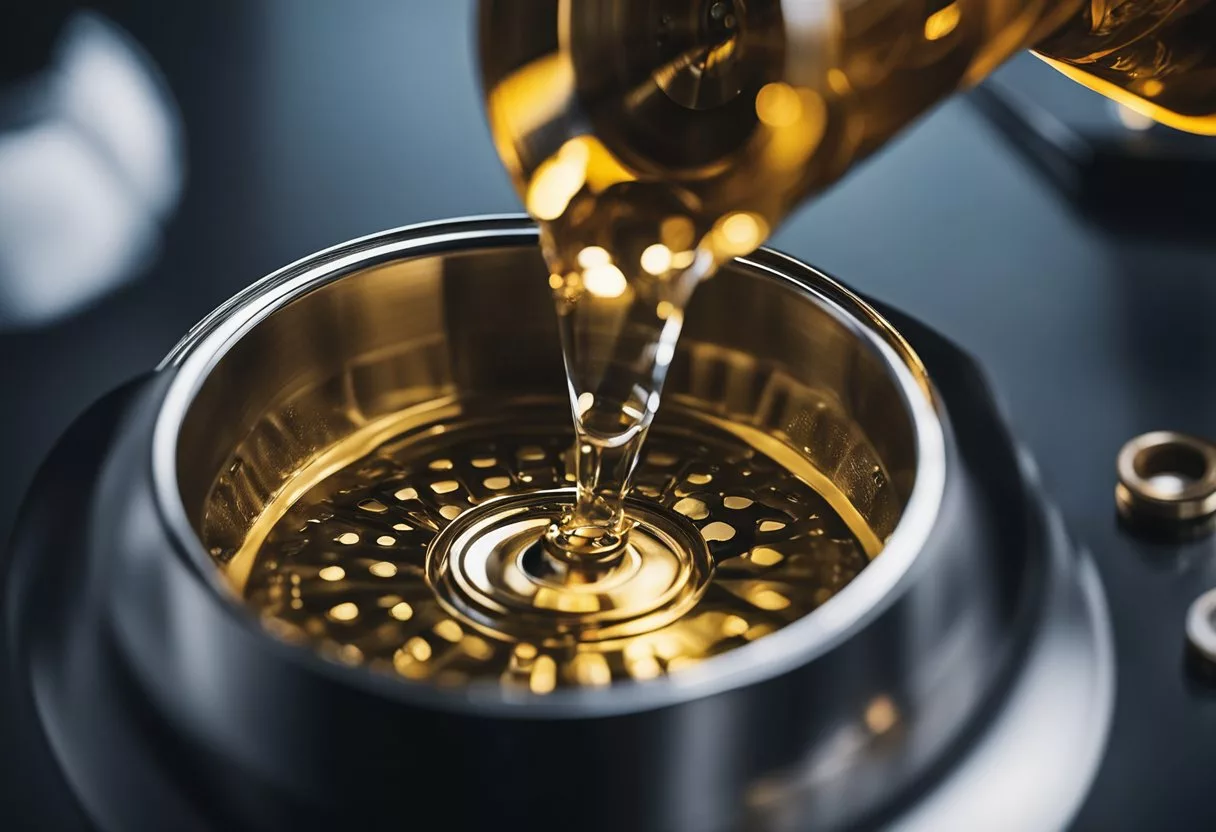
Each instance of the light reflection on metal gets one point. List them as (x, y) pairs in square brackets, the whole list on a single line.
[(1201, 628), (86, 186), (1167, 484), (881, 715)]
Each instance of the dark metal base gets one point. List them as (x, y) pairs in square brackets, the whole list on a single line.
[(89, 725), (1030, 763)]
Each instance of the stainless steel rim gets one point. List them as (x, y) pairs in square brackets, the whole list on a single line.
[(865, 597)]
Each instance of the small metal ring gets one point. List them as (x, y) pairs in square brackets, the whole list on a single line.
[(1201, 626), (1167, 478)]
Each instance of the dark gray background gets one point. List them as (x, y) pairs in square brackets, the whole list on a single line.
[(308, 122)]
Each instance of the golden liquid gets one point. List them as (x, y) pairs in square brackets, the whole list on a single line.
[(348, 568), (656, 139), (1156, 56)]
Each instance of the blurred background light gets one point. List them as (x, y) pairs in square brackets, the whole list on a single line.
[(91, 165)]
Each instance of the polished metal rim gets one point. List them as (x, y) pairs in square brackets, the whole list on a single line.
[(849, 611)]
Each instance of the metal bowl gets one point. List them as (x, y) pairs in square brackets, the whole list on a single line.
[(849, 715)]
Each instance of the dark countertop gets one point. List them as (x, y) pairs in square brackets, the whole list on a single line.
[(307, 123)]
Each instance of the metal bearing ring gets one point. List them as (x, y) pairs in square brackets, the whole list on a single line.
[(1167, 482)]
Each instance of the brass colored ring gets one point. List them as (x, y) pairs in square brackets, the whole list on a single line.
[(1166, 478)]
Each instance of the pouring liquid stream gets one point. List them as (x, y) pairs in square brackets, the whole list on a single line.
[(656, 139), (625, 254), (620, 307)]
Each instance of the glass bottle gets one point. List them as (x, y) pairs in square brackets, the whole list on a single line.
[(655, 139)]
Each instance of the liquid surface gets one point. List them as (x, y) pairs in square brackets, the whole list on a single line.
[(655, 139), (353, 567)]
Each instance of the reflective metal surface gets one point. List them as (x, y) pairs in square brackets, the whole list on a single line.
[(399, 335), (846, 715), (390, 449), (1063, 698), (1167, 482), (1089, 337), (1201, 627)]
